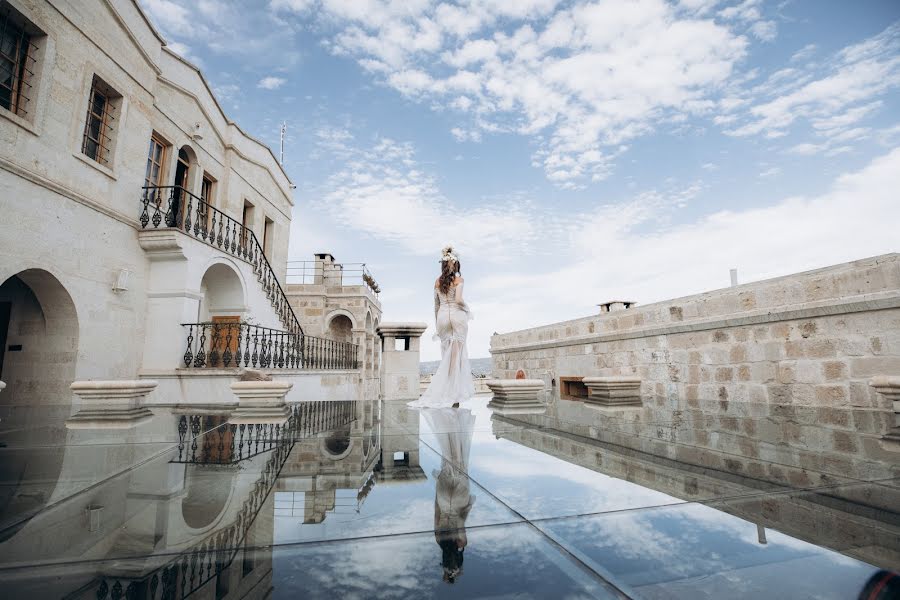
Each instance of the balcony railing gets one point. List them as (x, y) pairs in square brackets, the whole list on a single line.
[(225, 443), (246, 345), (306, 272), (175, 207)]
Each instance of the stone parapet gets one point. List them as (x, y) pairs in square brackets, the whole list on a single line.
[(117, 404), (260, 401), (613, 391)]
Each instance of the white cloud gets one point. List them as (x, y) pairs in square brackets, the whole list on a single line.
[(838, 98), (271, 83), (770, 172), (383, 192), (581, 79)]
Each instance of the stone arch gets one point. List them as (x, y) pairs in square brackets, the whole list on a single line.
[(339, 326), (42, 329), (224, 292), (209, 490), (187, 155), (338, 444), (39, 335), (369, 347)]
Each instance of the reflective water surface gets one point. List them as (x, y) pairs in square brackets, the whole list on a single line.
[(371, 499)]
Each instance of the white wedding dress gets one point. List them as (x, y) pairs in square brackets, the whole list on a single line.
[(452, 382)]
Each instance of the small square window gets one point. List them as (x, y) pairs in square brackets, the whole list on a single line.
[(101, 122)]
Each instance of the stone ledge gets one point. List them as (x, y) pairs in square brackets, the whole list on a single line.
[(111, 404), (516, 396), (614, 391), (400, 330), (261, 402)]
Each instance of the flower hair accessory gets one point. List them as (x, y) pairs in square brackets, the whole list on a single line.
[(447, 254)]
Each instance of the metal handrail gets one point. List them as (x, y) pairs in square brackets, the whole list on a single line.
[(204, 221), (306, 272)]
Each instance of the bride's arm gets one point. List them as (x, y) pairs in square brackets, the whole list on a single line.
[(437, 304), (459, 294)]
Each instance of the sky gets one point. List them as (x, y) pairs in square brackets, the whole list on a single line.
[(572, 152)]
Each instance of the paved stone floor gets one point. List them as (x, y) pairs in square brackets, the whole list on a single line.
[(371, 499)]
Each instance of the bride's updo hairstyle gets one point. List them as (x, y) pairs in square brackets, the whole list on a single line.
[(450, 268)]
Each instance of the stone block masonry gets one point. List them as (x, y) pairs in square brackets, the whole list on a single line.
[(806, 344)]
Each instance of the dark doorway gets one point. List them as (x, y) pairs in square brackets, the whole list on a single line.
[(5, 311), (182, 171)]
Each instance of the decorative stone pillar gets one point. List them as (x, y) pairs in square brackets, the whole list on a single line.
[(260, 401), (615, 392), (400, 368), (889, 387), (516, 396), (169, 301), (114, 404)]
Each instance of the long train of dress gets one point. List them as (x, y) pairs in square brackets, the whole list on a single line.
[(452, 382)]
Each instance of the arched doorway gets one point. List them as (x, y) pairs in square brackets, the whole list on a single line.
[(185, 165), (39, 335), (223, 306), (340, 328), (223, 293), (369, 350), (38, 358)]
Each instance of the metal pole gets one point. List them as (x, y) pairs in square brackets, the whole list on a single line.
[(283, 128)]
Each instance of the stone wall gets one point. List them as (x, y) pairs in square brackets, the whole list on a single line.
[(716, 366)]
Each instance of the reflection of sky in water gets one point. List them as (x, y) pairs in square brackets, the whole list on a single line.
[(507, 561), (655, 547)]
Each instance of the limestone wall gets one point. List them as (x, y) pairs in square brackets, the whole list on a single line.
[(776, 370)]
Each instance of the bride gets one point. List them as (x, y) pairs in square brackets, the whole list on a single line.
[(452, 383)]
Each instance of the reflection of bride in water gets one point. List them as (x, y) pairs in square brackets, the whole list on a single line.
[(452, 501)]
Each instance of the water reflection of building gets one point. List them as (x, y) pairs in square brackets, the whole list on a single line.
[(842, 512), (197, 517)]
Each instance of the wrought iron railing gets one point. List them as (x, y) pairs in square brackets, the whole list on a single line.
[(305, 272), (200, 564), (247, 345), (227, 443), (175, 207)]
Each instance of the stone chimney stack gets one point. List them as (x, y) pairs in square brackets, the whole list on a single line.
[(327, 271)]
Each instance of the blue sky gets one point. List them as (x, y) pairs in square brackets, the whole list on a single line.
[(574, 152)]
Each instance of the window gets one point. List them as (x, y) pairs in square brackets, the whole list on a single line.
[(17, 61), (247, 222), (156, 160), (268, 237), (100, 122), (207, 194)]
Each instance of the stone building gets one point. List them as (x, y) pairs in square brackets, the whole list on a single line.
[(338, 301), (144, 230)]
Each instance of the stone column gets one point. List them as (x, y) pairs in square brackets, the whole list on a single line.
[(169, 302), (117, 404), (400, 368)]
